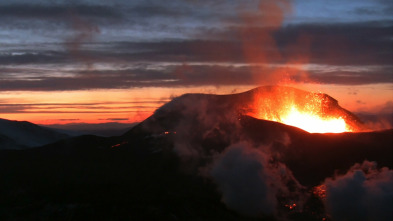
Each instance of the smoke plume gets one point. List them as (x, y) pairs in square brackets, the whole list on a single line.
[(250, 182), (260, 46), (363, 193)]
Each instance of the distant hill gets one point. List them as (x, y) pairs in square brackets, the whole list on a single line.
[(23, 135), (103, 129)]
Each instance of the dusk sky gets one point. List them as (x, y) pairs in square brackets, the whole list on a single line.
[(98, 61)]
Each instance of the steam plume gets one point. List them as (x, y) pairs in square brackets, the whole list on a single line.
[(260, 46), (250, 183), (363, 193)]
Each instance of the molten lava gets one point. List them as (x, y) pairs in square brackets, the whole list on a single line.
[(312, 112), (309, 121), (313, 123)]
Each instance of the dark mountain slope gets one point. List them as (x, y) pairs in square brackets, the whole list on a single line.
[(23, 134), (86, 181)]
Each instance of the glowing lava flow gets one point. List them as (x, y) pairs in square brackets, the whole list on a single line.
[(307, 120), (312, 112), (314, 123)]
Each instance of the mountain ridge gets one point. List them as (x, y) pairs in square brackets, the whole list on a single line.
[(23, 134)]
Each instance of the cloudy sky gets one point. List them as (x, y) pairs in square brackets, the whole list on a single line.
[(98, 61)]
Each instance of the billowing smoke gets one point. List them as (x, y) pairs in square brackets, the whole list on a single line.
[(379, 117), (196, 116), (261, 47), (83, 31), (243, 178), (250, 182), (210, 141), (363, 193)]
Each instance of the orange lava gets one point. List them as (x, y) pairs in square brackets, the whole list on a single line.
[(320, 191), (291, 206), (312, 112), (313, 123)]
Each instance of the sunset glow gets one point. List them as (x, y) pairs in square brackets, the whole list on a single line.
[(135, 105), (94, 106), (118, 64)]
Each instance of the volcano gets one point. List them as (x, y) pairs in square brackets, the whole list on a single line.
[(210, 157), (272, 103)]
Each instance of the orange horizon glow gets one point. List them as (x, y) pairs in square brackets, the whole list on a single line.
[(96, 106), (137, 104)]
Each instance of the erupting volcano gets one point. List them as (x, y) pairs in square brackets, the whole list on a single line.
[(213, 157), (312, 112), (196, 110), (312, 122)]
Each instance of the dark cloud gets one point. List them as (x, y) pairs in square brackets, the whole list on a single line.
[(84, 112), (89, 43), (71, 119), (384, 7), (13, 108), (350, 43), (353, 78), (367, 11), (30, 57), (178, 74), (129, 78), (83, 104), (116, 119), (148, 11), (120, 10), (116, 16), (57, 12), (76, 107), (339, 44)]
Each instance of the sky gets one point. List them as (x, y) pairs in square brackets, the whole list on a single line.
[(99, 61)]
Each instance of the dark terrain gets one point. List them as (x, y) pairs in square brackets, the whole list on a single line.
[(157, 170), (24, 135)]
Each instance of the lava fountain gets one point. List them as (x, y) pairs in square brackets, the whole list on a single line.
[(314, 123), (312, 112)]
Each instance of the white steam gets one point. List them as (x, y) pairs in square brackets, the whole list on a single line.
[(249, 182), (363, 193)]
